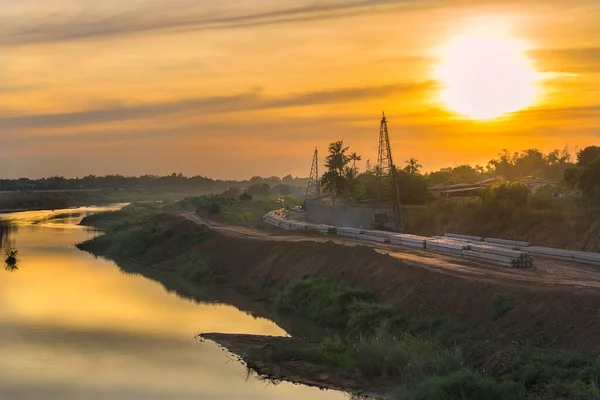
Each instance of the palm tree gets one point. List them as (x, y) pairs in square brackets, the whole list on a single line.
[(413, 167), (337, 158), (354, 158)]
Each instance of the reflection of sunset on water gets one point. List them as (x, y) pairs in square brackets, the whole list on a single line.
[(72, 325)]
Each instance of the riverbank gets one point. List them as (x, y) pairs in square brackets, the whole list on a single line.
[(41, 200), (297, 370), (494, 325)]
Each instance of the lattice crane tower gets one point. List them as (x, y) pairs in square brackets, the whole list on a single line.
[(388, 207), (313, 190)]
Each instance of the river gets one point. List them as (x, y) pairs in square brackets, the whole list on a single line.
[(73, 326)]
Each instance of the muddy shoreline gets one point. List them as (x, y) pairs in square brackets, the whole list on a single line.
[(296, 371)]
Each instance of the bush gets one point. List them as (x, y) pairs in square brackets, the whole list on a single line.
[(462, 385), (214, 208), (577, 390), (325, 300), (366, 317), (406, 357), (197, 269), (502, 305), (245, 197), (536, 369)]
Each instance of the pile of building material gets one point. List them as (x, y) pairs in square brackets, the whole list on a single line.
[(499, 256), (504, 242), (586, 258), (548, 252), (377, 236), (467, 238), (564, 255), (403, 239), (508, 253), (350, 232), (273, 219), (488, 258), (450, 247)]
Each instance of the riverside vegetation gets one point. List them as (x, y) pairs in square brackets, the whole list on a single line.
[(425, 357), (422, 354)]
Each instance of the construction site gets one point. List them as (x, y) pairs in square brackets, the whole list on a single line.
[(381, 222)]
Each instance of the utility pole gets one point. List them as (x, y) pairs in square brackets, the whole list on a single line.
[(388, 192), (313, 190)]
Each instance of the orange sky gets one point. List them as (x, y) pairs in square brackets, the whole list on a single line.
[(233, 89)]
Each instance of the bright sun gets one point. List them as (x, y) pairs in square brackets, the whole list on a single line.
[(484, 77)]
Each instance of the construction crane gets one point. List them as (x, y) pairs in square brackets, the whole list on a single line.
[(388, 209), (313, 190)]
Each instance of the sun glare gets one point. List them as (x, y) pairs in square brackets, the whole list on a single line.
[(484, 77)]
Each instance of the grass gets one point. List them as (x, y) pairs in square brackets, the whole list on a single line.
[(417, 352), (197, 269), (111, 219), (405, 358), (325, 300), (461, 385), (147, 238)]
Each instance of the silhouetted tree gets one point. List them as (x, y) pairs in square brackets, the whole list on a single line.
[(412, 167)]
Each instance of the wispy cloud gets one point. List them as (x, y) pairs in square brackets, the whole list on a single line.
[(167, 15), (248, 101)]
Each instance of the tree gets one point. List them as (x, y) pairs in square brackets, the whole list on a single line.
[(232, 193), (589, 180), (245, 197), (412, 167), (572, 176), (334, 180), (259, 190), (337, 158), (354, 158), (586, 156)]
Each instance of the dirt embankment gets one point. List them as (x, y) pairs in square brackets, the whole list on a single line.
[(566, 317)]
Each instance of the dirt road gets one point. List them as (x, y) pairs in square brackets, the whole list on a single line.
[(548, 274)]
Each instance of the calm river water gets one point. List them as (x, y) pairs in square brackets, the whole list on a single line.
[(75, 327)]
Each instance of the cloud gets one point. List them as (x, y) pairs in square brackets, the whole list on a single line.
[(168, 16), (544, 114), (583, 59), (249, 101)]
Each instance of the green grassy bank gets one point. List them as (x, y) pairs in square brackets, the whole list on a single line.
[(422, 354)]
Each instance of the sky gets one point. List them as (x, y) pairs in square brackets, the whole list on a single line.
[(236, 88)]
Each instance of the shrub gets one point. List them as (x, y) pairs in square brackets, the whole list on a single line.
[(197, 269), (214, 208), (406, 357), (245, 197), (366, 317), (537, 368), (502, 305), (577, 390), (462, 385), (325, 300)]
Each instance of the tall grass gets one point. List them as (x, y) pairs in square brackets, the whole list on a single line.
[(147, 238), (462, 385), (417, 351), (325, 300)]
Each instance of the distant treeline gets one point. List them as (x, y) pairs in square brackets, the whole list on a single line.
[(117, 182)]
